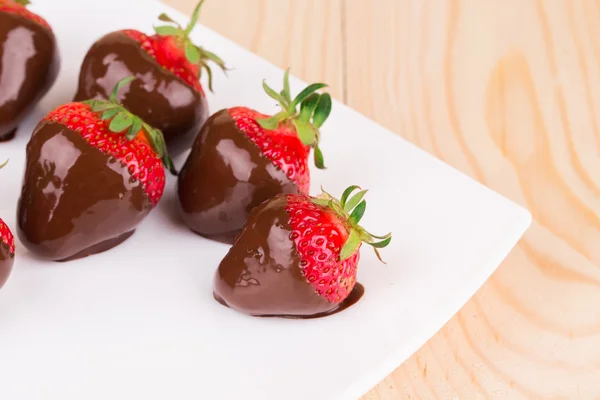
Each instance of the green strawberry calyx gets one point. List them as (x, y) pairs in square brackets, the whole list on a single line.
[(351, 209), (122, 120), (4, 164), (195, 54), (23, 3), (314, 111)]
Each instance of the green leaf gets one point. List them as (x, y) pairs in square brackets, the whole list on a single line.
[(310, 89), (322, 111), (274, 95), (134, 129), (378, 255), (108, 114), (379, 237), (167, 30), (323, 191), (162, 145), (99, 105), (347, 193), (4, 165), (268, 123), (194, 18), (272, 122), (319, 160), (320, 202), (123, 82), (120, 122), (209, 55), (305, 132), (209, 75), (192, 53), (351, 245), (157, 141), (164, 17), (286, 86), (168, 162), (307, 107), (354, 200), (154, 138), (358, 213), (337, 208), (382, 244)]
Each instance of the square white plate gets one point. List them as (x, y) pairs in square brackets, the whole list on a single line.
[(140, 322)]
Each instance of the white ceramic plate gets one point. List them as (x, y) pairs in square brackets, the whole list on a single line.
[(140, 322)]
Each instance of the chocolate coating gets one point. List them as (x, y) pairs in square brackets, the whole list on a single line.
[(224, 178), (261, 274), (29, 64), (76, 200), (6, 263), (158, 96)]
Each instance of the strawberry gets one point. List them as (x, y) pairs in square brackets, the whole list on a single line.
[(93, 173), (29, 63), (168, 95), (243, 157), (18, 8), (7, 250), (297, 256)]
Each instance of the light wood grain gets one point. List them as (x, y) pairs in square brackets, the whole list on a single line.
[(508, 92)]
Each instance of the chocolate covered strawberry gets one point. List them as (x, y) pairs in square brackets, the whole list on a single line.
[(168, 94), (297, 256), (29, 63), (242, 158), (93, 172), (7, 250)]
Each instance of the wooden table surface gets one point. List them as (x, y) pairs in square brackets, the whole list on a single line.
[(508, 92)]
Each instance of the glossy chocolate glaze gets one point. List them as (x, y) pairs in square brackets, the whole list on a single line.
[(29, 64), (158, 96), (261, 274), (6, 263), (75, 201), (224, 178), (356, 294)]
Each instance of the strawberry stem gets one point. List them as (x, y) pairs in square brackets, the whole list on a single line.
[(196, 55), (4, 165), (121, 120), (194, 19), (314, 111), (351, 210), (123, 82)]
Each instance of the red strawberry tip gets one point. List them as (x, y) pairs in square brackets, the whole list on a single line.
[(122, 120), (314, 111), (351, 210), (196, 55)]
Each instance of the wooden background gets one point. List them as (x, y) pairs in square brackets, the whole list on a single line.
[(507, 91)]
